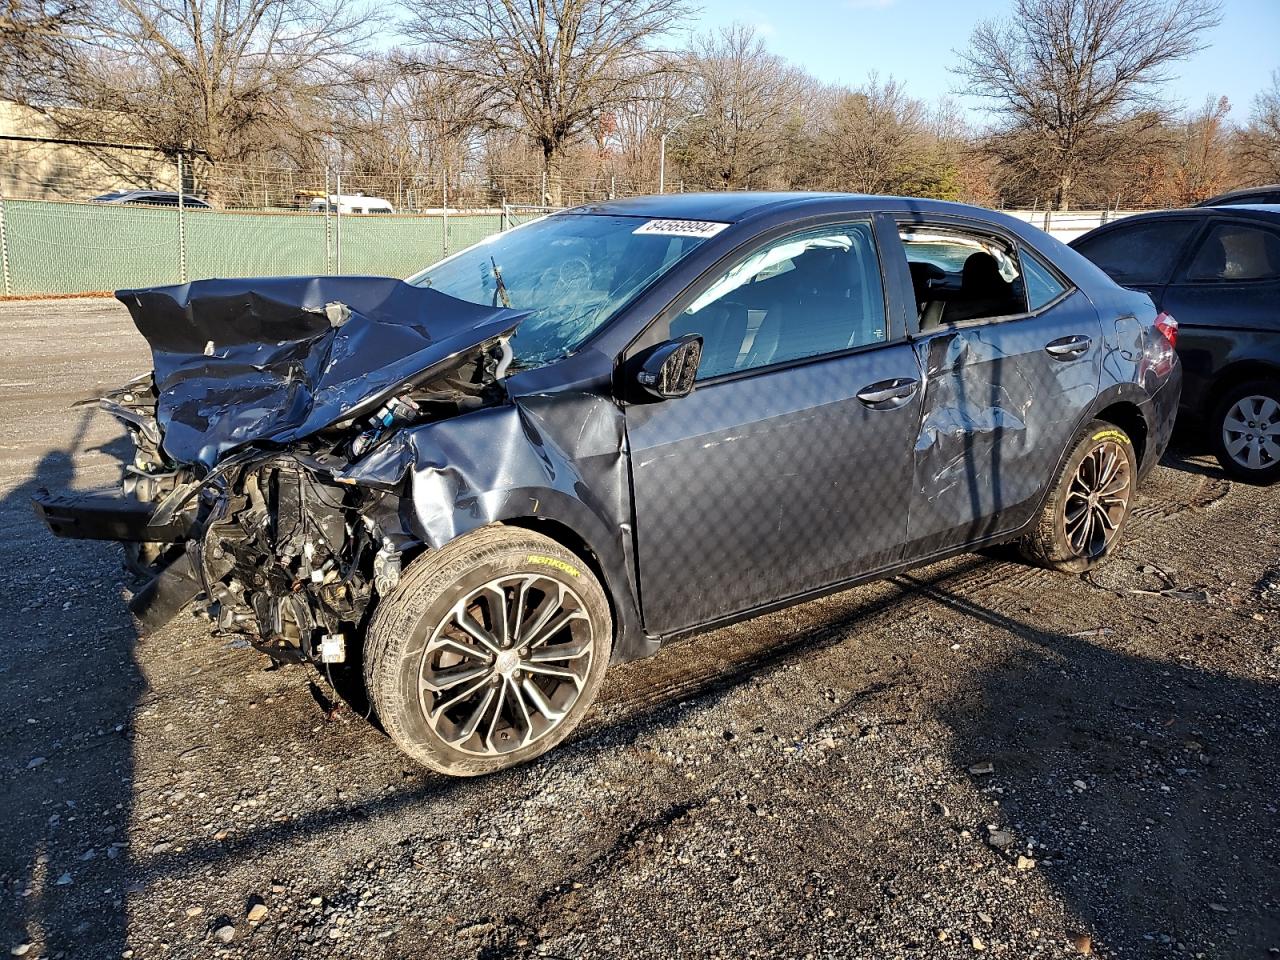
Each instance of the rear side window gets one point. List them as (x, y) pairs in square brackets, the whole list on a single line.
[(959, 275), (1141, 253), (1235, 251), (1041, 285)]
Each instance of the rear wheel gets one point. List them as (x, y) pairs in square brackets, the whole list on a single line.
[(489, 652), (1246, 432), (1082, 521)]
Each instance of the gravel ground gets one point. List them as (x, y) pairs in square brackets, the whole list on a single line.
[(975, 757)]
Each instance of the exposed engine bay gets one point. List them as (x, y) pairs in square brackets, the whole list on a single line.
[(246, 492)]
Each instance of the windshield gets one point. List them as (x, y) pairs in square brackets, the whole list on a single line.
[(575, 272)]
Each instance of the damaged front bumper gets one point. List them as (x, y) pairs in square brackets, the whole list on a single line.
[(245, 494)]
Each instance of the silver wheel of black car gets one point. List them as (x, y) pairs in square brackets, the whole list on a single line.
[(1247, 426), (1084, 516), (489, 652)]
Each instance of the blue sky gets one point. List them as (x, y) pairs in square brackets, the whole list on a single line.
[(840, 41)]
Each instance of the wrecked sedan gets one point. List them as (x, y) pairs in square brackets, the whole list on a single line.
[(580, 439)]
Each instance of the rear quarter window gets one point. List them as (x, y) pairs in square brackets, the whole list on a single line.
[(1141, 252), (1041, 285)]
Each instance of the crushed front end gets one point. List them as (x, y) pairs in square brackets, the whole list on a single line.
[(249, 496)]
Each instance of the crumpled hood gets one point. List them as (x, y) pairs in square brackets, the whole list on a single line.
[(279, 358)]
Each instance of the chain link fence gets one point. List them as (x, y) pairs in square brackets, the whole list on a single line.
[(55, 247), (59, 235)]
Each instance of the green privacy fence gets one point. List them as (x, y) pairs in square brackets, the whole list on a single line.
[(55, 247)]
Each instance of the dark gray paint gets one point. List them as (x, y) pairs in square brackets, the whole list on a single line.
[(777, 484)]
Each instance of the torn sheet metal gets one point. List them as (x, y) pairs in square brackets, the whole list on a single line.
[(559, 459), (277, 359)]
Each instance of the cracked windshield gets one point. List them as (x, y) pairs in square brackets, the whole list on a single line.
[(575, 272)]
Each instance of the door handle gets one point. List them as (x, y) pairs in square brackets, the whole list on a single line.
[(1068, 348), (888, 394)]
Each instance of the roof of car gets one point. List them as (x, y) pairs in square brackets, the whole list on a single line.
[(1263, 211), (1266, 209), (733, 206), (1241, 192)]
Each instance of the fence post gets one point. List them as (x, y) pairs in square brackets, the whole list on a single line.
[(337, 228), (328, 263), (444, 232), (182, 223), (4, 253)]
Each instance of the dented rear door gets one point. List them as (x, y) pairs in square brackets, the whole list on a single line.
[(1000, 409)]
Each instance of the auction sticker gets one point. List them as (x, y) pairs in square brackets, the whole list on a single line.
[(681, 228)]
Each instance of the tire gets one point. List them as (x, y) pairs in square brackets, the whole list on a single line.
[(459, 701), (1102, 464), (1245, 430)]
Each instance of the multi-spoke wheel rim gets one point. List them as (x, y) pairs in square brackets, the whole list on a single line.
[(1251, 432), (506, 664), (1097, 500)]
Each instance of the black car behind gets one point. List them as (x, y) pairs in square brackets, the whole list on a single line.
[(1216, 270)]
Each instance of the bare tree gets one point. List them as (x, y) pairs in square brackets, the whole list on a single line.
[(551, 68), (1201, 162), (1260, 140), (748, 103), (1065, 76), (664, 106), (33, 37), (876, 139), (225, 79)]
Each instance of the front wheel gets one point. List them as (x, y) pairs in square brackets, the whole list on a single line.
[(489, 652), (1082, 521), (1246, 432)]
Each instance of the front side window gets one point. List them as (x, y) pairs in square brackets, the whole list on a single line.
[(575, 272), (1141, 253), (1235, 251), (802, 296), (959, 275)]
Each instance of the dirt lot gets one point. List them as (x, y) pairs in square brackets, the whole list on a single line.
[(976, 757)]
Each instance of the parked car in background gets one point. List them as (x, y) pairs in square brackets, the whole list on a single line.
[(1268, 193), (352, 203), (1217, 270), (152, 198), (615, 426)]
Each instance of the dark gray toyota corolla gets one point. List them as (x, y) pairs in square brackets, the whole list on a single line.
[(616, 425)]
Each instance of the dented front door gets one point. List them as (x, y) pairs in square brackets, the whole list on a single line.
[(1002, 401), (757, 489)]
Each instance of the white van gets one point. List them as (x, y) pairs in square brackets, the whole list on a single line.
[(352, 203)]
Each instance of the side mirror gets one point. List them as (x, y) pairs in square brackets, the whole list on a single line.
[(668, 370)]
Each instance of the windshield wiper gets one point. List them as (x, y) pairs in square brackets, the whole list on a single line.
[(500, 287)]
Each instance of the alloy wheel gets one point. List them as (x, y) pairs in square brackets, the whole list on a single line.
[(1098, 499), (1251, 432), (506, 664)]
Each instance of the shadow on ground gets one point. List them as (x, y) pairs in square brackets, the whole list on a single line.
[(1146, 790), (72, 684)]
